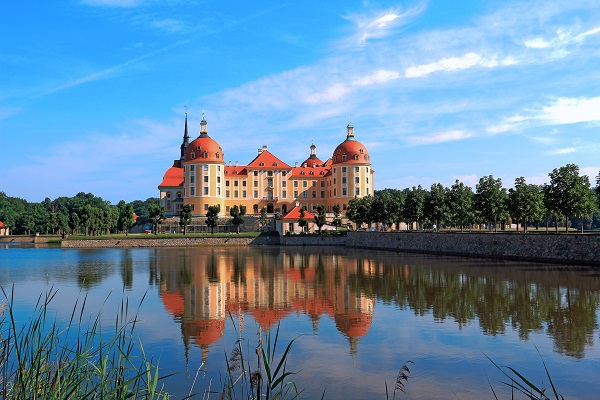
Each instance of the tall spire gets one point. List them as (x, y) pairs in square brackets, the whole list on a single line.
[(313, 150), (186, 138)]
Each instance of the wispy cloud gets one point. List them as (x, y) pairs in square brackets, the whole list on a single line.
[(378, 25), (380, 76), (571, 110), (451, 64), (566, 150), (440, 137)]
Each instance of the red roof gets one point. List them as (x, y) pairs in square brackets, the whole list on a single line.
[(309, 172), (204, 149), (237, 170), (173, 177), (266, 160), (294, 215), (1, 224), (313, 162), (354, 151)]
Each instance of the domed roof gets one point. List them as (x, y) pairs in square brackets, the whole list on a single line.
[(173, 176), (351, 151), (312, 160), (204, 148)]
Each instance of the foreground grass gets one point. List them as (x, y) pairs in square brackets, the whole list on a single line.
[(39, 359)]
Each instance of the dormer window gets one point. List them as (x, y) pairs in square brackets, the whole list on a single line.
[(302, 173), (198, 148), (312, 173), (205, 155), (361, 151), (275, 164), (356, 157), (344, 157), (193, 155), (262, 164), (218, 155)]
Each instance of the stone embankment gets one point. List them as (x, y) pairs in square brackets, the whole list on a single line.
[(556, 248)]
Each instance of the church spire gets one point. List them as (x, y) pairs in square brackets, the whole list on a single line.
[(186, 138)]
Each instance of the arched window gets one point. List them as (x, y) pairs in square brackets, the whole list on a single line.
[(205, 155), (193, 155), (356, 157)]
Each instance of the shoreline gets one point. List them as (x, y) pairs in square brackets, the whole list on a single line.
[(576, 249)]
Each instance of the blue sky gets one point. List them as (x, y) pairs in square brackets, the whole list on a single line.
[(93, 92)]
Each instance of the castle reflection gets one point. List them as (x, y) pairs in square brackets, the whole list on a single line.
[(200, 287)]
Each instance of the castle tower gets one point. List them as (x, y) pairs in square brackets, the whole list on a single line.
[(204, 173)]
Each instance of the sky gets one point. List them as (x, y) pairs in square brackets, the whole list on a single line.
[(93, 93)]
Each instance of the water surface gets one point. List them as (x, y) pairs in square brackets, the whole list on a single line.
[(357, 316)]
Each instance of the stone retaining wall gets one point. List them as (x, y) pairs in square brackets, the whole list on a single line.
[(170, 242), (302, 240), (561, 248)]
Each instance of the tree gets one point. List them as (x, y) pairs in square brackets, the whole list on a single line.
[(460, 205), (262, 220), (414, 206), (125, 218), (238, 216), (353, 212), (569, 194), (157, 215), (526, 202), (490, 200), (302, 222), (598, 189), (185, 217), (212, 217), (320, 216), (337, 220), (436, 204)]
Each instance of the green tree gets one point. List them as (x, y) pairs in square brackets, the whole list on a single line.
[(460, 205), (526, 202), (570, 194), (262, 220), (125, 219), (185, 217), (337, 220), (157, 216), (237, 214), (598, 189), (320, 216), (302, 222), (354, 212), (212, 217), (436, 204), (414, 206), (490, 200)]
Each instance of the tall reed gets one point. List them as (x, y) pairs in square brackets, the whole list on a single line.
[(41, 359)]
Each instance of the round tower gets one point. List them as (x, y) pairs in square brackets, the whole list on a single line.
[(204, 173)]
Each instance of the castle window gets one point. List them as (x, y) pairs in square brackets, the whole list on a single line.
[(284, 194), (262, 164), (295, 194), (275, 164), (193, 191), (361, 151), (226, 183), (283, 173), (343, 180), (198, 148), (235, 194), (206, 179), (357, 180), (356, 157), (304, 184), (284, 184), (343, 170), (206, 191), (344, 157), (255, 173), (314, 194), (236, 183), (312, 173), (356, 169), (205, 155), (255, 183), (227, 194), (322, 194), (205, 167), (304, 194), (339, 151), (344, 192), (218, 179), (192, 178), (295, 183), (269, 173), (192, 168), (302, 173), (178, 195), (168, 195), (357, 191), (192, 156), (243, 194), (244, 183), (218, 155)]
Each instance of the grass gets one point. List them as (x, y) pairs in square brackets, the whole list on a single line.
[(134, 236), (40, 359), (519, 383), (262, 377)]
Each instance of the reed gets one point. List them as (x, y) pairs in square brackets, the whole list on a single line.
[(41, 359)]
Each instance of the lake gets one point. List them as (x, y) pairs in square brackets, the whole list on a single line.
[(356, 316)]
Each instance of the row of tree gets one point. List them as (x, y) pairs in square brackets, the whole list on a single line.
[(82, 213), (568, 195)]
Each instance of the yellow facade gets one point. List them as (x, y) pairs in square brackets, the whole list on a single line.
[(201, 178)]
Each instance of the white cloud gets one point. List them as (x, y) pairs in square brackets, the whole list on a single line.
[(590, 32), (332, 93), (441, 137), (380, 76), (572, 110), (545, 140), (450, 64), (496, 129), (169, 25), (566, 150), (537, 43), (591, 172), (469, 180)]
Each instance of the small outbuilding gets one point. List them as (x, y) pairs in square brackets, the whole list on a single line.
[(4, 230), (290, 222)]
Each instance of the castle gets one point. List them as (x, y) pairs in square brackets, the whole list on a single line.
[(201, 178)]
